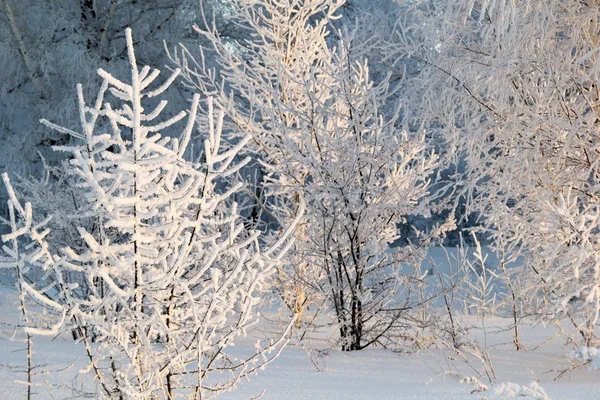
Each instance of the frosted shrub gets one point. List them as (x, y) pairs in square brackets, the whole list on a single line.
[(166, 278), (513, 87)]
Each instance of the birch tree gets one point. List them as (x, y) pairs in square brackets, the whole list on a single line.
[(317, 125)]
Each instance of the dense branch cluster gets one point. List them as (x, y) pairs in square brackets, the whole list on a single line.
[(513, 88), (168, 277)]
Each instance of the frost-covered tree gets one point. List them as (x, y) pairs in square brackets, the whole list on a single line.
[(514, 86), (362, 175), (167, 277), (257, 76), (317, 124), (47, 45)]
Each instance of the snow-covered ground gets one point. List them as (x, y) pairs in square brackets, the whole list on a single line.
[(381, 374), (368, 374)]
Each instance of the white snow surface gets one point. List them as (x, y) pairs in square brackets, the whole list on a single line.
[(379, 374), (369, 374), (373, 373)]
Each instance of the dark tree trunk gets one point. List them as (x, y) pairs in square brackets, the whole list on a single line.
[(356, 324)]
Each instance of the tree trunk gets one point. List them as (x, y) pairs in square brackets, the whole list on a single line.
[(356, 324), (24, 50)]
